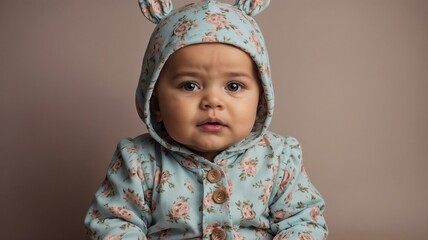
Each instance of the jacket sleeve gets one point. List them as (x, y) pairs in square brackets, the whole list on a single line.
[(297, 208), (119, 209)]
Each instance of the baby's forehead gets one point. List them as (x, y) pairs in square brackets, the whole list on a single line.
[(220, 57), (209, 50)]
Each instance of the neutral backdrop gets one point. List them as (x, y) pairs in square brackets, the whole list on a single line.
[(351, 81)]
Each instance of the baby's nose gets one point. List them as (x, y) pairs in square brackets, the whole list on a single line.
[(212, 99)]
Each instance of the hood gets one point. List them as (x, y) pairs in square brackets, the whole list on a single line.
[(203, 22)]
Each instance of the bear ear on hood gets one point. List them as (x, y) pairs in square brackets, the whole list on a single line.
[(156, 10), (252, 7)]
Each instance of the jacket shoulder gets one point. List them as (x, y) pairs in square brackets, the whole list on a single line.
[(138, 150), (285, 141), (141, 141)]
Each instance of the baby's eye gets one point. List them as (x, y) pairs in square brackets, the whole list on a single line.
[(189, 86), (233, 87)]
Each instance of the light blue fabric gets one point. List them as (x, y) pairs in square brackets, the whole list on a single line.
[(153, 193), (158, 189)]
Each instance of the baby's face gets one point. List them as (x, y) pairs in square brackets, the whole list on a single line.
[(207, 97)]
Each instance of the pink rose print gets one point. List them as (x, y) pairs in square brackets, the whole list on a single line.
[(156, 46), (249, 168), (108, 190), (248, 212), (189, 163), (210, 37), (287, 177), (132, 173), (230, 187), (145, 10), (315, 212), (181, 29), (189, 186), (264, 69), (237, 235), (280, 215), (165, 176), (148, 194), (256, 42), (130, 196), (246, 209), (267, 189), (305, 236), (117, 165), (140, 173), (161, 178), (113, 237), (179, 210), (283, 235), (218, 20), (265, 141), (121, 212), (258, 3), (208, 202), (156, 7)]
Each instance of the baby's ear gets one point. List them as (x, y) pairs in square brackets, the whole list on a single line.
[(154, 107), (155, 10), (252, 7)]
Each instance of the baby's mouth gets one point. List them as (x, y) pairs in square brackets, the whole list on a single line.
[(211, 121), (211, 125)]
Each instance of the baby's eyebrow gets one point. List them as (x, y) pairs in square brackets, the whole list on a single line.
[(195, 74), (238, 74), (185, 74)]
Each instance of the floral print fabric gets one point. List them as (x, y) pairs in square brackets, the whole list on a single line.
[(153, 193)]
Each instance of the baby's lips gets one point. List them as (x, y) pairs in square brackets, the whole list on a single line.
[(212, 121)]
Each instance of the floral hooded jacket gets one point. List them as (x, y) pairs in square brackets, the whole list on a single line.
[(156, 188)]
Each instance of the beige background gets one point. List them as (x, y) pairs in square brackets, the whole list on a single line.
[(351, 80)]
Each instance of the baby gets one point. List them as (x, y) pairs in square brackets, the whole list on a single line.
[(208, 167)]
